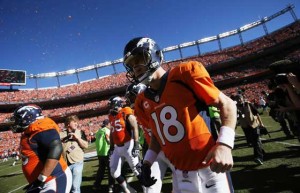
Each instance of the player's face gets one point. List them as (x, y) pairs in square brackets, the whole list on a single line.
[(139, 65)]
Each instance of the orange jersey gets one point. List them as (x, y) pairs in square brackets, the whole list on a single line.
[(178, 115), (34, 149), (120, 134)]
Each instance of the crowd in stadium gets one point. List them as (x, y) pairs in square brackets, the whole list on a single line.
[(281, 91), (90, 125)]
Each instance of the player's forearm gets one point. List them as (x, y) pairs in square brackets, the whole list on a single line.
[(134, 127), (228, 112), (82, 143), (49, 166)]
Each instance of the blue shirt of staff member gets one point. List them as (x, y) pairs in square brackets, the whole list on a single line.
[(74, 142)]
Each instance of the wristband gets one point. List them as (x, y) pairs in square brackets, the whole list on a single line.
[(226, 136), (42, 178), (150, 156)]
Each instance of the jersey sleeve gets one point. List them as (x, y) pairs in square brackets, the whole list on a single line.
[(46, 137), (197, 78)]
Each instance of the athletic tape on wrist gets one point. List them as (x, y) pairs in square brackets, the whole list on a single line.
[(150, 156), (42, 178), (226, 136)]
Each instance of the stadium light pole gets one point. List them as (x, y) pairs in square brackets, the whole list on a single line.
[(198, 48), (293, 14), (36, 82), (97, 74), (77, 75), (219, 42), (241, 37), (58, 82)]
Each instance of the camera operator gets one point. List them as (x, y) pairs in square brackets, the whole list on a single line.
[(74, 142), (286, 88), (251, 123)]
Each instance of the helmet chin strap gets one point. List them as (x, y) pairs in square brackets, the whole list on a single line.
[(146, 78)]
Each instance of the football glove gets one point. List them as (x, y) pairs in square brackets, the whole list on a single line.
[(136, 149), (35, 186), (145, 176)]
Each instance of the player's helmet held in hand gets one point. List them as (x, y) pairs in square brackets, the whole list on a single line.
[(24, 115), (149, 51)]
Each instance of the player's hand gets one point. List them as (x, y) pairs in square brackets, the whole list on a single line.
[(145, 176), (220, 158), (72, 136), (136, 149), (35, 186)]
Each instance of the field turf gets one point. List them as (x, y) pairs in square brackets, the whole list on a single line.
[(279, 173)]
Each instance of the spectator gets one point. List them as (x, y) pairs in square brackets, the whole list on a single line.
[(250, 122), (273, 101), (215, 121), (262, 103), (102, 148), (41, 149), (74, 142)]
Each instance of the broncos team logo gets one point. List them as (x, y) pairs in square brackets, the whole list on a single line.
[(146, 42)]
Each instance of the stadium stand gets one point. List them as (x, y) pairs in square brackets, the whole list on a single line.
[(243, 66)]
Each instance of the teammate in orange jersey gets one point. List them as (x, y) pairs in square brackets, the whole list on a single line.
[(41, 151), (124, 141), (175, 107)]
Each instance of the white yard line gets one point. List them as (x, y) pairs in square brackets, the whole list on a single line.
[(17, 188)]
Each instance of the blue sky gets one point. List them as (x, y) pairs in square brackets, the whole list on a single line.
[(42, 36)]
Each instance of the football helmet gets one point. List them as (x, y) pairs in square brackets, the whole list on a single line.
[(115, 102), (151, 53), (132, 91), (24, 115)]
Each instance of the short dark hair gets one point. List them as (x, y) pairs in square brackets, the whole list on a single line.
[(105, 122)]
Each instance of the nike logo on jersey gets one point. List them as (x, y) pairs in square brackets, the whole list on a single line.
[(208, 186)]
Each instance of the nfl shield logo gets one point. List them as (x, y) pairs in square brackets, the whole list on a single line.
[(185, 174)]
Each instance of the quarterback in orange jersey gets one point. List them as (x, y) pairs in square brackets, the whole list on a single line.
[(124, 141), (41, 151), (175, 107), (161, 164)]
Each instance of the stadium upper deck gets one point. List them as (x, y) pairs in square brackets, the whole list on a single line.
[(227, 66)]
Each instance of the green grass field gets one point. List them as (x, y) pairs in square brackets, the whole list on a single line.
[(279, 173)]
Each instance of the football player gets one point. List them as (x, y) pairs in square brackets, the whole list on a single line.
[(124, 140), (41, 151), (175, 107), (161, 164)]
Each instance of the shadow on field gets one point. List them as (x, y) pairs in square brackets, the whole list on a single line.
[(91, 159), (278, 179), (11, 175)]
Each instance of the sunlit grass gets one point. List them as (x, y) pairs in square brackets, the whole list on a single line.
[(279, 173)]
